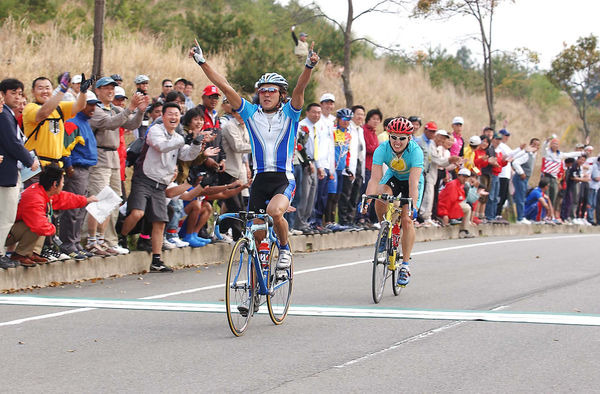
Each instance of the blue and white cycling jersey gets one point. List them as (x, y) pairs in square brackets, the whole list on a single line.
[(272, 136), (398, 166)]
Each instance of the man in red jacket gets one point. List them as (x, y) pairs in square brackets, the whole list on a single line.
[(452, 203), (34, 213)]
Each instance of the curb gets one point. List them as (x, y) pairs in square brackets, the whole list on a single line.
[(54, 274)]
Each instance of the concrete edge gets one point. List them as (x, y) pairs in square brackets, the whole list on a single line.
[(70, 271)]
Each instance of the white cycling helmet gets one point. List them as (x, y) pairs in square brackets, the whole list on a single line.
[(274, 79)]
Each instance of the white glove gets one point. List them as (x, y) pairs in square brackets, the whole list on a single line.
[(198, 55)]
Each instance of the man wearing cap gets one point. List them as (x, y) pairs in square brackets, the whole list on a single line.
[(469, 155), (83, 156), (141, 84), (424, 140), (453, 205), (457, 127), (74, 88), (210, 99), (327, 109), (301, 45), (179, 85), (439, 158), (105, 122), (12, 152), (118, 79), (227, 112), (523, 164)]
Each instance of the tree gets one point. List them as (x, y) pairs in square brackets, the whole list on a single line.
[(483, 12), (382, 6), (99, 11), (576, 70)]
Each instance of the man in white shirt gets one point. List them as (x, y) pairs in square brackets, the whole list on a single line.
[(308, 189), (324, 159), (153, 175)]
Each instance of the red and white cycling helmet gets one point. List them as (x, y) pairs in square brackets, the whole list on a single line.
[(400, 126)]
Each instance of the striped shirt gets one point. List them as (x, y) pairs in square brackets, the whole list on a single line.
[(272, 136)]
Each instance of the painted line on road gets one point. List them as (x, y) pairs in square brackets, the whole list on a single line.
[(318, 311), (310, 270)]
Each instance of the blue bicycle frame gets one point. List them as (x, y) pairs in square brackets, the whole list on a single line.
[(251, 228)]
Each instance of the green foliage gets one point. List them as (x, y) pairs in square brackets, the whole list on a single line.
[(455, 69), (576, 70), (37, 10)]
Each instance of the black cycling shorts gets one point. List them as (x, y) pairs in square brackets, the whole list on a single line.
[(266, 185), (398, 187)]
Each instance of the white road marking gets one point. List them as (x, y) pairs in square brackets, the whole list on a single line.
[(414, 338), (189, 291), (319, 311)]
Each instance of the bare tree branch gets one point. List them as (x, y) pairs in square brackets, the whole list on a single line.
[(374, 44)]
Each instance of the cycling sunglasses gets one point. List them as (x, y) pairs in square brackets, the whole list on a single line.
[(398, 138), (269, 90)]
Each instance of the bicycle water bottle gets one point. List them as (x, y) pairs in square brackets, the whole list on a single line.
[(395, 235), (263, 254)]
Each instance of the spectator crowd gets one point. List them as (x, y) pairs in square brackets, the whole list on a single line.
[(62, 147)]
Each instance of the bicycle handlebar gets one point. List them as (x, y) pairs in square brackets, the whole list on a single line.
[(387, 198), (242, 216)]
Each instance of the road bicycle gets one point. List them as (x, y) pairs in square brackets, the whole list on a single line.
[(388, 248), (252, 276)]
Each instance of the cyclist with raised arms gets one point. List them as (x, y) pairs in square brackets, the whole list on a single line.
[(272, 125), (404, 176)]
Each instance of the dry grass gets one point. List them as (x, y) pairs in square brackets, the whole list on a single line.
[(26, 55), (412, 94)]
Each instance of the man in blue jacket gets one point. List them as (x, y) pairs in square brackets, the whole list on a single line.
[(80, 138), (13, 151)]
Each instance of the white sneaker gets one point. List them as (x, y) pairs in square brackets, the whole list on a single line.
[(167, 244), (523, 221), (119, 249), (431, 223), (295, 232), (285, 259), (377, 225), (226, 238), (178, 242)]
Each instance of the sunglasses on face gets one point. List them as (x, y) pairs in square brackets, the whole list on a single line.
[(398, 138), (168, 86), (268, 90)]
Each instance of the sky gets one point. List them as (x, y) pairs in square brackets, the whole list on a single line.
[(540, 25)]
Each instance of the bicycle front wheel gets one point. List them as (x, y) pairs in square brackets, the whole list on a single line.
[(380, 262), (239, 301), (280, 288)]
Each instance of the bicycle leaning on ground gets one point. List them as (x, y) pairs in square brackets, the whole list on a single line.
[(388, 248), (252, 274)]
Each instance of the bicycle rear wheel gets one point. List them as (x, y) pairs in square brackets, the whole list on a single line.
[(380, 262), (238, 288), (280, 286)]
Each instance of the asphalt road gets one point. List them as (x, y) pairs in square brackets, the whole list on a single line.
[(53, 349)]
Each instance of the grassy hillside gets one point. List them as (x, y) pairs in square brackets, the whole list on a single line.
[(48, 51)]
